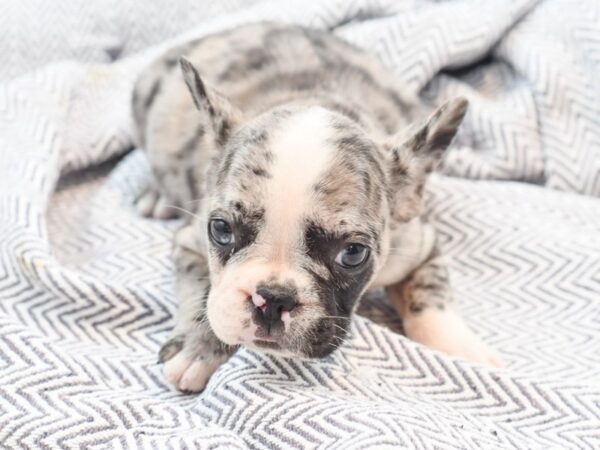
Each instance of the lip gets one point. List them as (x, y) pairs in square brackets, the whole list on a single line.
[(268, 338), (268, 344)]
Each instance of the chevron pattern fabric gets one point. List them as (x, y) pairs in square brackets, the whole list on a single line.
[(86, 284)]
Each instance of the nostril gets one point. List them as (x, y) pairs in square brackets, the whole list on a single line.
[(288, 303)]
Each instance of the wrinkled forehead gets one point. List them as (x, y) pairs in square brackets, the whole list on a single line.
[(299, 166)]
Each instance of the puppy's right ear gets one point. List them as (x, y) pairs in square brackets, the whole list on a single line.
[(223, 115)]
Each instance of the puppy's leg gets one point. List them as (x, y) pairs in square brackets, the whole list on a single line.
[(165, 128), (172, 189), (177, 161), (193, 352), (181, 133), (425, 303)]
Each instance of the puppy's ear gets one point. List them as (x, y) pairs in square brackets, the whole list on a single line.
[(217, 108), (418, 151)]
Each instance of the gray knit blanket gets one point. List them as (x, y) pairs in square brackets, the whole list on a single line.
[(86, 284)]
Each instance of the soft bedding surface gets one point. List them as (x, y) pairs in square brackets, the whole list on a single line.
[(86, 284)]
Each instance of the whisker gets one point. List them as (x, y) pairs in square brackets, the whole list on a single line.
[(201, 319), (185, 211), (335, 317), (198, 299), (405, 249), (339, 328), (200, 199), (406, 255)]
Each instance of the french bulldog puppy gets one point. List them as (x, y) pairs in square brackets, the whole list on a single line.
[(291, 151)]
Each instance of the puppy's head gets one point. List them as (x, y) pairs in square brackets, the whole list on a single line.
[(300, 204)]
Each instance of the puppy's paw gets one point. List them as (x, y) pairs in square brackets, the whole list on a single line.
[(447, 332), (188, 367), (151, 203), (190, 373)]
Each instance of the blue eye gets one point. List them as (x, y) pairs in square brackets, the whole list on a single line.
[(220, 232), (352, 256)]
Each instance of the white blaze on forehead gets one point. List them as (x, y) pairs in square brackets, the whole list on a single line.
[(302, 150)]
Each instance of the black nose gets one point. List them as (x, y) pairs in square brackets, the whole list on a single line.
[(279, 299)]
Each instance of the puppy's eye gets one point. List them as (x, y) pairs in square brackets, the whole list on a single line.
[(353, 255), (220, 232)]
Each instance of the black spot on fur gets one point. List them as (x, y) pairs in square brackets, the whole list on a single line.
[(399, 176), (255, 138), (260, 172), (245, 224), (192, 183), (419, 189), (343, 287), (345, 110), (191, 144), (329, 50), (170, 348), (252, 141), (441, 139), (324, 187), (154, 90), (416, 307), (205, 296), (189, 267), (225, 166), (253, 60), (223, 132), (268, 157), (357, 145), (366, 181)]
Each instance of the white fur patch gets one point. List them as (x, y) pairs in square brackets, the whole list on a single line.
[(302, 154), (189, 374), (286, 318)]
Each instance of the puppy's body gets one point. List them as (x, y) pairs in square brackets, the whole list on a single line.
[(303, 192), (258, 67)]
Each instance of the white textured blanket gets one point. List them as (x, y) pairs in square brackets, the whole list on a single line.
[(86, 284)]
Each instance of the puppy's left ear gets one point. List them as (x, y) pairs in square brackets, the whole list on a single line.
[(222, 115), (416, 153)]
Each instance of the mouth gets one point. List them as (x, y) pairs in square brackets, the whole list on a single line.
[(267, 344), (259, 334), (266, 323)]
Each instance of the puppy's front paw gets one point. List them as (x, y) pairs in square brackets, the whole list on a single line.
[(188, 367), (152, 203), (447, 332)]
